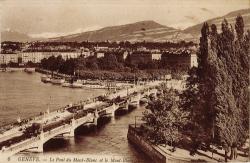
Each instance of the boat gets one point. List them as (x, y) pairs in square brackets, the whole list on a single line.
[(29, 70), (46, 79), (57, 81), (67, 84), (94, 86), (77, 84)]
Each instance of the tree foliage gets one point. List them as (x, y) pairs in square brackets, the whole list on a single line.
[(220, 83), (165, 120)]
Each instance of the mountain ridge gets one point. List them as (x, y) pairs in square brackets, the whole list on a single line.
[(245, 13), (118, 32), (147, 30)]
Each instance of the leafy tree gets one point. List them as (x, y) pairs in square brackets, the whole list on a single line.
[(239, 27), (221, 84), (109, 62), (165, 120), (69, 66), (30, 64)]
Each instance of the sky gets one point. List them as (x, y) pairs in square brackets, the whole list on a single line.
[(50, 18)]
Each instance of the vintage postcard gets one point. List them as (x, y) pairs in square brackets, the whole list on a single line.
[(124, 81)]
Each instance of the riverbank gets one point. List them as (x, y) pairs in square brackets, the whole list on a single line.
[(162, 154), (14, 69), (47, 72), (88, 82)]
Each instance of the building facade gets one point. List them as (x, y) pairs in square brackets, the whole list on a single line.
[(194, 62), (35, 57), (7, 58)]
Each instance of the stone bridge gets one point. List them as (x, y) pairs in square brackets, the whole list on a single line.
[(35, 143)]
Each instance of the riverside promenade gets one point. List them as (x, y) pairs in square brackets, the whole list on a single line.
[(163, 154), (64, 121)]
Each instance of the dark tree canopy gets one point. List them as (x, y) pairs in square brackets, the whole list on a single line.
[(220, 84)]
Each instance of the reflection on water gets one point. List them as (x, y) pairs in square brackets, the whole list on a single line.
[(23, 94)]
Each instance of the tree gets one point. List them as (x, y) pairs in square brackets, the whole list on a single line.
[(239, 27), (109, 62), (222, 84), (30, 64), (232, 95), (165, 120)]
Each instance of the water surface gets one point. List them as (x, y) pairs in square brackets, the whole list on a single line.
[(24, 95)]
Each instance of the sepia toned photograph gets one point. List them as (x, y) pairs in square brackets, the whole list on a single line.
[(124, 81)]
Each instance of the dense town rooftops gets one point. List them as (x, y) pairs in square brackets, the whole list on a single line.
[(10, 47)]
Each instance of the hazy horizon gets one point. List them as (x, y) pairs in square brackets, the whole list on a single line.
[(43, 18)]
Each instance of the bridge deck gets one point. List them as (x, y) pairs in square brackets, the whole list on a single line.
[(64, 124)]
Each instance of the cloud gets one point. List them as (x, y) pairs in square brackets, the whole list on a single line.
[(46, 35), (58, 34), (193, 18), (207, 10)]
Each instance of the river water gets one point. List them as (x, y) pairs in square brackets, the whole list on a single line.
[(24, 95)]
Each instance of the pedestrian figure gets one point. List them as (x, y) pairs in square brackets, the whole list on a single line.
[(226, 148), (234, 147)]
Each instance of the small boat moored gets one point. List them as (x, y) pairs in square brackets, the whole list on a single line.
[(29, 70), (67, 84), (77, 84), (45, 79), (94, 86), (57, 81)]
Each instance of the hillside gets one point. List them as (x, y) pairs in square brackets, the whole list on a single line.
[(195, 30), (139, 31)]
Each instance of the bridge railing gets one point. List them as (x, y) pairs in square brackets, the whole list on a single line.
[(91, 104), (55, 130), (22, 144), (58, 129), (84, 119)]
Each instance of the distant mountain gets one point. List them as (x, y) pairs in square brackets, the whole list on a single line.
[(152, 31), (9, 35), (245, 13), (139, 31)]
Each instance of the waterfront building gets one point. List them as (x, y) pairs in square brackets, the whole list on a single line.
[(68, 55), (34, 57), (7, 58), (65, 55)]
